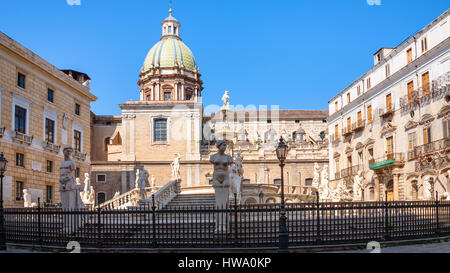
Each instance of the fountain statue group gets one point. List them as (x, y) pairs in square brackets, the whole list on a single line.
[(341, 192)]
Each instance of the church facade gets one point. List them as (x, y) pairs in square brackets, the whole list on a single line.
[(169, 122)]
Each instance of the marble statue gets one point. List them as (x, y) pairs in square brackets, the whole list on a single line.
[(116, 195), (236, 176), (69, 191), (141, 181), (285, 136), (87, 187), (324, 184), (27, 199), (226, 100), (316, 179), (153, 183), (91, 199), (176, 167), (221, 182), (341, 192), (358, 185), (65, 121), (427, 188)]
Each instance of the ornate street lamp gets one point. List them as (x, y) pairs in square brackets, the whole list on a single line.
[(282, 150), (3, 163)]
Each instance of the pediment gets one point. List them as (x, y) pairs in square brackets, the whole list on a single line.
[(336, 155), (348, 150), (369, 141), (444, 111), (359, 146), (387, 128), (411, 124), (427, 118)]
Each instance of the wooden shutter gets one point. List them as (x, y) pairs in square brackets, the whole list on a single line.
[(348, 98), (336, 131), (389, 145), (411, 92), (426, 136), (369, 114), (349, 124), (388, 102), (359, 118), (426, 84), (409, 55)]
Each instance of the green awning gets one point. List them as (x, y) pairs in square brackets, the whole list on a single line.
[(383, 164)]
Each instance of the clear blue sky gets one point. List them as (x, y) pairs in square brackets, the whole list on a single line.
[(293, 53)]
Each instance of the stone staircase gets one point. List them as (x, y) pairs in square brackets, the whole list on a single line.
[(192, 201)]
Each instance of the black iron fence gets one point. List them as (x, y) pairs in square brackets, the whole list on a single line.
[(249, 226)]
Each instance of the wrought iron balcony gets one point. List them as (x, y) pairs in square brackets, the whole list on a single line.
[(78, 155), (51, 147), (351, 171), (23, 138), (388, 160), (432, 147), (359, 125), (384, 112)]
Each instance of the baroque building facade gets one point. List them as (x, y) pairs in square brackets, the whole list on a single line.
[(392, 123), (42, 109), (169, 121)]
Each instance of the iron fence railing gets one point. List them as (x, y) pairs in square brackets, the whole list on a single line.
[(249, 226)]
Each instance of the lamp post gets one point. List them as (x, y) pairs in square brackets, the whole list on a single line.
[(284, 236), (3, 162)]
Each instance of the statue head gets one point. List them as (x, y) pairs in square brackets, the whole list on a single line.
[(77, 180), (221, 145), (67, 151), (25, 191), (86, 175)]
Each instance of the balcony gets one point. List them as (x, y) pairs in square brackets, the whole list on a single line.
[(334, 139), (433, 147), (385, 112), (411, 155), (337, 175), (351, 171), (360, 125), (346, 131), (23, 138), (51, 147), (78, 155), (409, 101), (389, 160)]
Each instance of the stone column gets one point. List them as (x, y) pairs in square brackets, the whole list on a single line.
[(132, 156), (157, 92), (124, 137), (377, 187), (188, 135), (396, 188), (183, 96), (132, 178)]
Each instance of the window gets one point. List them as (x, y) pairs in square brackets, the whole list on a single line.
[(369, 85), (369, 114), (49, 166), (388, 71), (359, 118), (50, 95), (170, 29), (20, 160), (77, 109), (424, 43), (148, 97), (411, 141), (348, 98), (336, 131), (188, 97), (446, 127), (389, 146), (388, 102), (175, 30), (77, 173), (20, 119), (269, 121), (297, 121), (49, 194), (426, 84), (349, 124), (349, 161), (101, 178), (308, 182), (49, 130), (160, 130), (19, 190), (409, 57), (21, 80), (336, 106), (107, 142), (338, 169), (411, 92), (167, 96), (426, 135), (358, 90), (101, 198), (77, 140)]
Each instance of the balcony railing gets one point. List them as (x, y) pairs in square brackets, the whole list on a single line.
[(383, 112), (351, 171), (78, 155), (410, 99), (433, 147), (388, 160), (23, 138), (347, 131), (359, 125), (51, 147)]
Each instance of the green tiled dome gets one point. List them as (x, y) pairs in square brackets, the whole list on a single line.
[(170, 52)]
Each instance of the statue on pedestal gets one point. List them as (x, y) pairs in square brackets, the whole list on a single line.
[(153, 183), (141, 183), (237, 175), (427, 188), (316, 179), (87, 188), (27, 199), (358, 185), (225, 100), (221, 183), (70, 197), (324, 184), (176, 167)]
